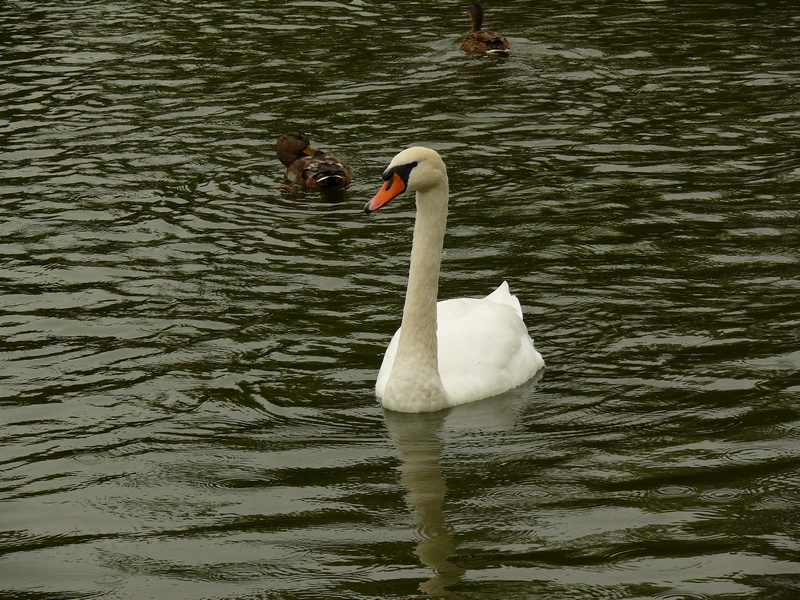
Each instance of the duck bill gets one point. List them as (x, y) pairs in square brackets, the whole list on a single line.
[(309, 151), (390, 190)]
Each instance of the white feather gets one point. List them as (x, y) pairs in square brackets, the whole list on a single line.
[(484, 347)]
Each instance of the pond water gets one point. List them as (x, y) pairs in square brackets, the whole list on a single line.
[(188, 345)]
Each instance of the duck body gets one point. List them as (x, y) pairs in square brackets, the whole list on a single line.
[(478, 41), (311, 167), (454, 351)]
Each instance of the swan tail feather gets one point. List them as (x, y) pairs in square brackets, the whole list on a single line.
[(503, 295)]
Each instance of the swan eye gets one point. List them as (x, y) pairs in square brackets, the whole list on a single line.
[(404, 171)]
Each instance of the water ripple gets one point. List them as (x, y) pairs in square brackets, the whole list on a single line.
[(188, 345)]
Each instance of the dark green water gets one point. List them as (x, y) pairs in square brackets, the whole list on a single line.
[(188, 346)]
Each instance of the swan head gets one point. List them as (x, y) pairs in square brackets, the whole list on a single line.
[(414, 169)]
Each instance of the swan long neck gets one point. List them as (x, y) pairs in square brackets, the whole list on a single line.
[(418, 329)]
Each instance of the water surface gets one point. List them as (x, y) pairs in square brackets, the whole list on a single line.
[(188, 346)]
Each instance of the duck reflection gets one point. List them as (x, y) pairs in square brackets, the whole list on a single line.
[(416, 438)]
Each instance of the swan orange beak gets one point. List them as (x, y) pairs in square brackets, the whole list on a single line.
[(390, 190)]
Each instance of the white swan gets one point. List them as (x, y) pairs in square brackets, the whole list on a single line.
[(454, 351)]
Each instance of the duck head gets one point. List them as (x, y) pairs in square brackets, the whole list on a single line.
[(293, 145), (475, 13)]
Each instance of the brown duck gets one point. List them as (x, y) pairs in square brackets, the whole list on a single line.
[(483, 42), (311, 167)]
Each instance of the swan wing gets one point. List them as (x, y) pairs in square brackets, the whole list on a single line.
[(386, 365), (484, 349)]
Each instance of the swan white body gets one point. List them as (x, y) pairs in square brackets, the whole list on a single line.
[(483, 346), (455, 351)]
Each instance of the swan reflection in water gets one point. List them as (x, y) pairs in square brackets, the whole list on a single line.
[(416, 437), (417, 441)]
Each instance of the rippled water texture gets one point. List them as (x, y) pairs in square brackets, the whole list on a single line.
[(188, 346)]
